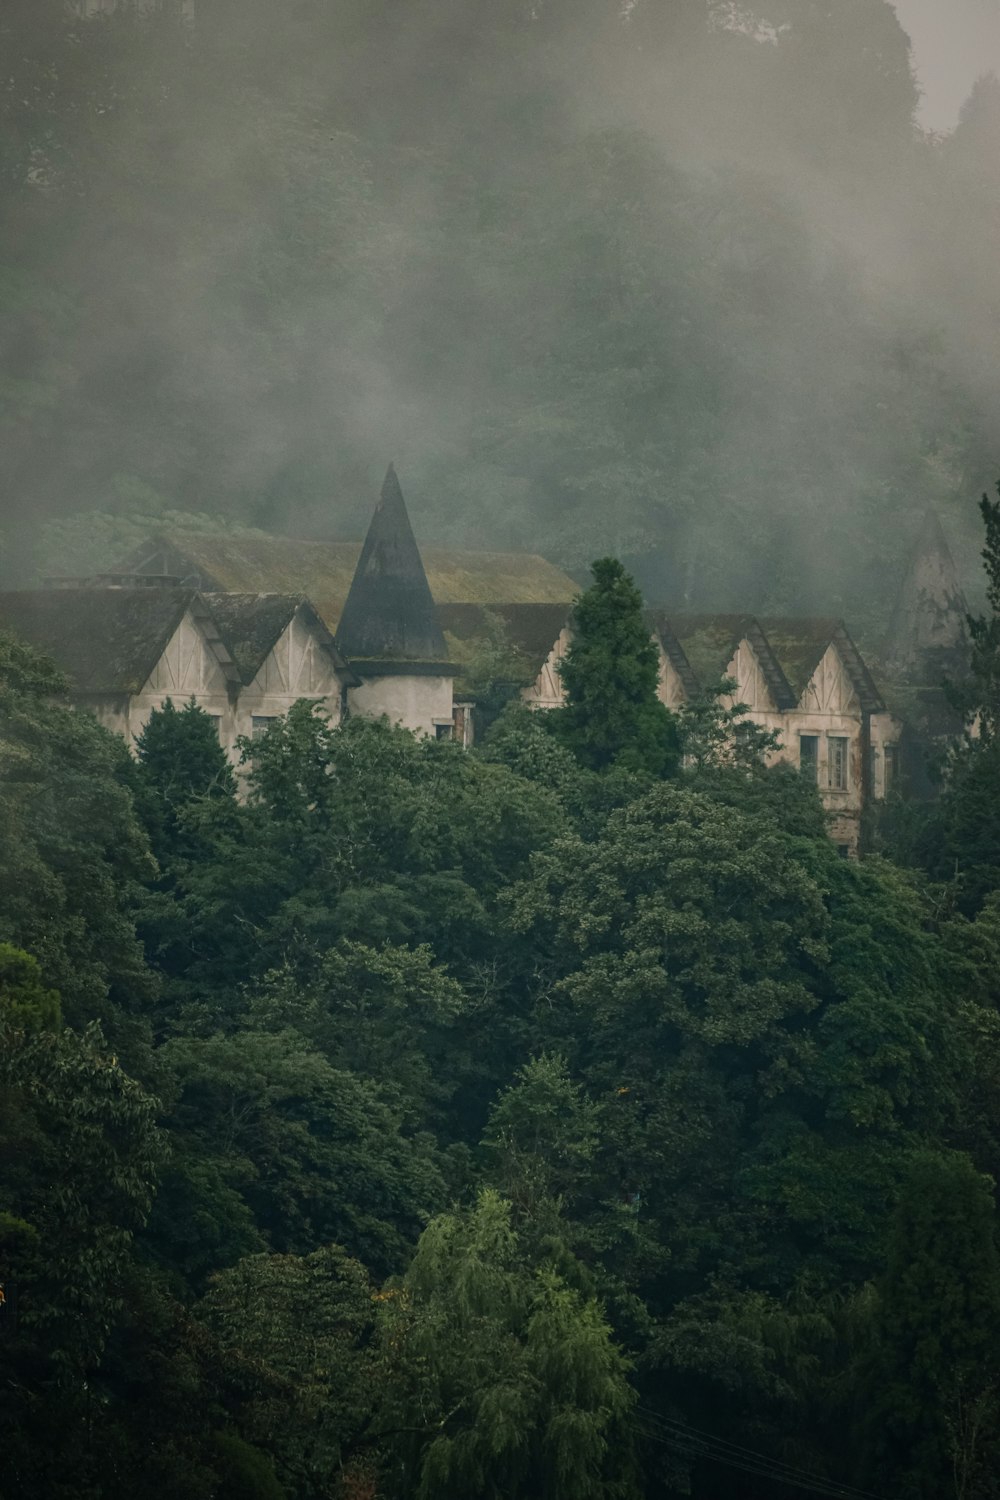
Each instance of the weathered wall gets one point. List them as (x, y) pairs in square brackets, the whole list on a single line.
[(417, 703), (547, 690), (187, 669), (297, 667)]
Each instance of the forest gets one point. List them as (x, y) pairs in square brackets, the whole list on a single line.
[(679, 281), (558, 1118), (563, 1118)]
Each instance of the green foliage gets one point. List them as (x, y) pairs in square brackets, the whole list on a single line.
[(956, 839), (72, 853), (541, 1139), (315, 1153), (25, 1003), (297, 1328), (244, 1471), (934, 1392), (500, 1379), (612, 715), (388, 1013), (79, 1154)]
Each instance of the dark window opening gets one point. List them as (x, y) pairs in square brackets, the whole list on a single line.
[(891, 767), (260, 724), (809, 755), (444, 731)]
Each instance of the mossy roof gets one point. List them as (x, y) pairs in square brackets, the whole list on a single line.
[(106, 641), (789, 649), (251, 625), (531, 629), (323, 571), (707, 641), (800, 645)]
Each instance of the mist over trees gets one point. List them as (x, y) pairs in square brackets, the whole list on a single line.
[(677, 281)]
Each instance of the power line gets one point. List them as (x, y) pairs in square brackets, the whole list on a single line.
[(696, 1443)]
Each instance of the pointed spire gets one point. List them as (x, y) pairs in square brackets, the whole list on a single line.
[(928, 622), (389, 615)]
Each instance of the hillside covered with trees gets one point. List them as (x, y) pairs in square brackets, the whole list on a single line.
[(678, 280), (560, 1118)]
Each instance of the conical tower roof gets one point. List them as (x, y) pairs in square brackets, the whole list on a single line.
[(929, 620), (389, 617)]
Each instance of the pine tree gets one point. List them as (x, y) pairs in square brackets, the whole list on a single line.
[(612, 715)]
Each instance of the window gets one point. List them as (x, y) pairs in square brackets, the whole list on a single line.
[(891, 767), (260, 724), (836, 752), (809, 756), (444, 731), (844, 850), (216, 725)]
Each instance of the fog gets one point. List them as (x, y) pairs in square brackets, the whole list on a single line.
[(708, 286), (954, 42)]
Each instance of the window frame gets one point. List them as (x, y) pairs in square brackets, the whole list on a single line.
[(838, 752)]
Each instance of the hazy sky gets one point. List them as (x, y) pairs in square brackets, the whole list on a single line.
[(953, 42)]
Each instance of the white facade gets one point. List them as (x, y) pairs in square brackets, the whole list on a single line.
[(196, 665), (547, 689), (827, 728), (422, 704), (297, 666)]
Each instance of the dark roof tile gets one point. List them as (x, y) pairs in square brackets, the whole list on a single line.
[(106, 640)]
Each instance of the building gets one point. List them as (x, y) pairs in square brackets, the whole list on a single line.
[(803, 678), (245, 625), (127, 644), (806, 680), (231, 622)]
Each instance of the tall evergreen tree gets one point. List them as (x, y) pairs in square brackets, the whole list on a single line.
[(613, 716), (958, 838)]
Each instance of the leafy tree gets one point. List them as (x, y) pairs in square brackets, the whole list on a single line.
[(501, 1379), (934, 1386), (180, 764), (361, 832), (389, 1014), (612, 715), (306, 1154), (25, 1003), (296, 1329), (541, 1139), (73, 853), (79, 1155)]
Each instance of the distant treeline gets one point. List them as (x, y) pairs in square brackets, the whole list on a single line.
[(676, 280)]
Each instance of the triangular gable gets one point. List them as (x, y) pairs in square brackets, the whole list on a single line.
[(800, 646), (301, 663), (547, 690), (752, 686), (195, 660), (830, 689), (702, 649)]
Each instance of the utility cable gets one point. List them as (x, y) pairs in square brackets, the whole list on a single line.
[(696, 1443)]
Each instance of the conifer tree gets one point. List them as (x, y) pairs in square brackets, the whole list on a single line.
[(612, 715), (180, 762), (959, 840)]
